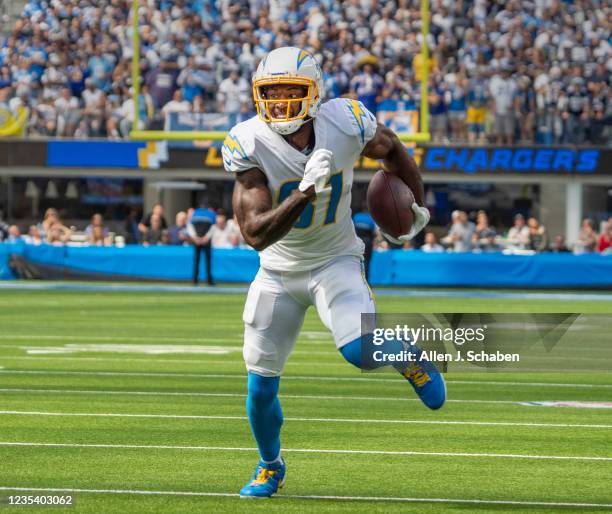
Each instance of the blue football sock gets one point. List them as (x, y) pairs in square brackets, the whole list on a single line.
[(361, 355), (265, 414)]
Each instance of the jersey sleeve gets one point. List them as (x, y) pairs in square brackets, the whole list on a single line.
[(355, 120), (237, 151)]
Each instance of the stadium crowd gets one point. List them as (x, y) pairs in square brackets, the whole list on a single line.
[(502, 71), (524, 237)]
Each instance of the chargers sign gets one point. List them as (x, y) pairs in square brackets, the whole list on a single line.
[(512, 160)]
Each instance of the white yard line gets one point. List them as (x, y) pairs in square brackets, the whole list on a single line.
[(238, 337), (321, 420), (307, 450), (310, 497), (242, 377), (242, 395), (192, 360)]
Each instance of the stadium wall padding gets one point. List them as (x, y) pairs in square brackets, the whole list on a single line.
[(5, 271), (392, 268)]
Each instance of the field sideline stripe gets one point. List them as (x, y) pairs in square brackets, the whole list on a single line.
[(311, 497), (287, 377), (406, 293), (308, 450), (323, 420), (242, 395)]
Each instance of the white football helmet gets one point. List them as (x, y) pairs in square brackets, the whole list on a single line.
[(288, 65)]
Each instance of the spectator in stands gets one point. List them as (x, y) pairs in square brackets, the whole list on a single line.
[(461, 233), (477, 102), (97, 221), (431, 244), (91, 95), (538, 237), (457, 105), (162, 79), (131, 230), (177, 233), (577, 112), (165, 238), (191, 79), (605, 239), (58, 234), (44, 117), (76, 77), (34, 237), (100, 66), (503, 92), (14, 235), (6, 78), (559, 245), (145, 224), (146, 111), (484, 237), (221, 233), (51, 219), (599, 119), (437, 113), (233, 93), (98, 237), (518, 235), (367, 85), (587, 238), (69, 113), (154, 231), (407, 246), (525, 107), (175, 106)]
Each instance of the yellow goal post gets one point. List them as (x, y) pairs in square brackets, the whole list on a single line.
[(184, 135)]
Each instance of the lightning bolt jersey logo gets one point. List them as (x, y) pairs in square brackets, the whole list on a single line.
[(231, 146), (359, 113)]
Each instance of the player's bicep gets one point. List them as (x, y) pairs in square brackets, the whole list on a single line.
[(251, 195), (381, 145)]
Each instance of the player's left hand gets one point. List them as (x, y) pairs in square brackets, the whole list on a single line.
[(421, 219)]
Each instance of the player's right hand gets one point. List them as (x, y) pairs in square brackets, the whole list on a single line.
[(421, 219), (318, 170)]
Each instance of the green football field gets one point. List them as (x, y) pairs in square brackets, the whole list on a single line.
[(134, 402)]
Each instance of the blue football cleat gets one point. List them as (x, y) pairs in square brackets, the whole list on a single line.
[(426, 380), (266, 480)]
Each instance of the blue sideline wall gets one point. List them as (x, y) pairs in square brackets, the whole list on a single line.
[(392, 268)]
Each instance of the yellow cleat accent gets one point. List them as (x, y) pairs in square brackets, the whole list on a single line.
[(417, 375)]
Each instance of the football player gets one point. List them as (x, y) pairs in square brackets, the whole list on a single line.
[(293, 165)]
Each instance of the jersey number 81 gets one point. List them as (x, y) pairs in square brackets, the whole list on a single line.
[(307, 217)]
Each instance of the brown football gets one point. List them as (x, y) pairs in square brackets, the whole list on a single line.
[(389, 202)]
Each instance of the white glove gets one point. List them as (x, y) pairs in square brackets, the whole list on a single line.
[(421, 218), (318, 170)]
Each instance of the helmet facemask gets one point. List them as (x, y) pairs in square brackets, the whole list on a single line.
[(289, 122)]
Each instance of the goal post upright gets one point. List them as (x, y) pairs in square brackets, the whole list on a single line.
[(135, 66)]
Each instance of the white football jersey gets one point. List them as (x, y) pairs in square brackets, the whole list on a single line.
[(325, 229)]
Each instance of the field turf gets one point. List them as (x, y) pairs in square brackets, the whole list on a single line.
[(128, 431)]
